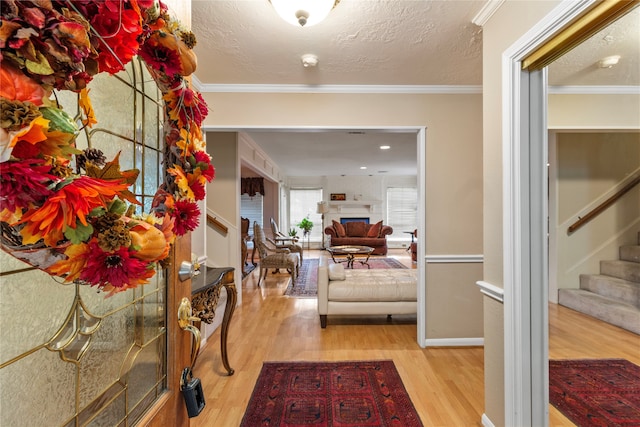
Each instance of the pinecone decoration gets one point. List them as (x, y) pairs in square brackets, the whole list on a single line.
[(106, 221), (92, 155)]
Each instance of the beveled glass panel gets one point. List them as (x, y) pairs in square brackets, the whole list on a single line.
[(68, 348), (145, 373), (39, 390), (33, 307), (114, 409), (102, 363), (151, 316)]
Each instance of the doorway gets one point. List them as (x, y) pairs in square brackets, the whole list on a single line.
[(526, 211), (420, 150)]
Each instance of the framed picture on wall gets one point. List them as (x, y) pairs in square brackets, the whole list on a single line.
[(338, 196)]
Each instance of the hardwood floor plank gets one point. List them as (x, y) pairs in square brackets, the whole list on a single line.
[(446, 385)]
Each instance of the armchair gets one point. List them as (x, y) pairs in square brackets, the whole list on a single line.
[(283, 241), (273, 257)]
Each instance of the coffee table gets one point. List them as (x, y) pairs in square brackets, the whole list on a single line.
[(350, 252)]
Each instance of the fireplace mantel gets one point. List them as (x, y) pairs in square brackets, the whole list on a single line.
[(366, 204)]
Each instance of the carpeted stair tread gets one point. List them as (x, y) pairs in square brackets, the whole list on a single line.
[(630, 253), (604, 308), (621, 269), (612, 287)]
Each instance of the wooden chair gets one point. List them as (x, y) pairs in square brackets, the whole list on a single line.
[(282, 241), (245, 239), (273, 257), (414, 246)]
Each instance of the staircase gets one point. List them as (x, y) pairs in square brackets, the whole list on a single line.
[(612, 296)]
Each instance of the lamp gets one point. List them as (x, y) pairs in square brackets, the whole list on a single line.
[(303, 12), (322, 208)]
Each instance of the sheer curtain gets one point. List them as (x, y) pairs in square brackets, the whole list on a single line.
[(303, 203)]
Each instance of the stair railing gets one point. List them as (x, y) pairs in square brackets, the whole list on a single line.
[(215, 223), (603, 206)]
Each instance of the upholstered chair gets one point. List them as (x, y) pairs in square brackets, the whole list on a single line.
[(282, 241), (273, 257)]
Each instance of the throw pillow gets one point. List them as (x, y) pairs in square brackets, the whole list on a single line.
[(356, 229), (374, 230), (336, 272), (340, 231)]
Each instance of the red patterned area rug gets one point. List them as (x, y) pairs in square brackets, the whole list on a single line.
[(597, 392), (330, 394), (306, 285)]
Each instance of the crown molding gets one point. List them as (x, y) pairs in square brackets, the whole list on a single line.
[(594, 90), (487, 11), (277, 88)]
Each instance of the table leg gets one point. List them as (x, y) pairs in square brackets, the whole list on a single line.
[(232, 299), (350, 258), (366, 261)]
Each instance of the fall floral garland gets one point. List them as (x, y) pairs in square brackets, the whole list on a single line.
[(80, 224)]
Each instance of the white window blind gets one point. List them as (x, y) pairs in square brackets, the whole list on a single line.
[(303, 202), (402, 208), (251, 207)]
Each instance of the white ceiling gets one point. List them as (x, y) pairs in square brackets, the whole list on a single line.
[(378, 43)]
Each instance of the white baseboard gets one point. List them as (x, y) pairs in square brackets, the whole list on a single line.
[(486, 422), (455, 342)]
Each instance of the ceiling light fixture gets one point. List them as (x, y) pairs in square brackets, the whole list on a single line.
[(304, 13), (385, 147), (609, 61), (309, 60), (363, 167)]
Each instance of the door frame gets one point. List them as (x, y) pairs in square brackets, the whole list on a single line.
[(525, 226)]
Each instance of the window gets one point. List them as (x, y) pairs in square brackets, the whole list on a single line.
[(303, 203), (402, 208), (251, 207)]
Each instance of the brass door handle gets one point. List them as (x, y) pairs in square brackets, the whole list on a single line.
[(184, 321)]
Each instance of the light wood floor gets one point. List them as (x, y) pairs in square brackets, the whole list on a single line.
[(446, 385)]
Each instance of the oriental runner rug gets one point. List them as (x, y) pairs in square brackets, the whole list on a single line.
[(330, 394), (306, 285), (596, 392)]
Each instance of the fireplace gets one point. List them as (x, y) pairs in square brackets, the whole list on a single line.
[(345, 220)]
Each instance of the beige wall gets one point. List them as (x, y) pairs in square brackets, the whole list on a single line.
[(590, 168), (223, 149), (453, 167), (502, 30), (594, 111), (223, 249)]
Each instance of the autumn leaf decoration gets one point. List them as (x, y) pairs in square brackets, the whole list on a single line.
[(70, 212)]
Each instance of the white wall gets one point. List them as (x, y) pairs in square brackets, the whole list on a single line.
[(371, 192)]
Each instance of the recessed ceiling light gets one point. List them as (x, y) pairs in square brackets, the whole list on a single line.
[(385, 147), (363, 167)]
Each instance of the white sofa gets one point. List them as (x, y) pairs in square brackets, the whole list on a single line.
[(364, 292)]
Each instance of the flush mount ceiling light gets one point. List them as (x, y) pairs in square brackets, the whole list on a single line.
[(385, 147), (609, 61), (309, 60), (304, 13)]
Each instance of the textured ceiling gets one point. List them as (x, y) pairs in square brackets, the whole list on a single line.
[(580, 67), (363, 42), (373, 42)]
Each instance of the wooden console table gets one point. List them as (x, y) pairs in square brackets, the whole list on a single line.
[(205, 293)]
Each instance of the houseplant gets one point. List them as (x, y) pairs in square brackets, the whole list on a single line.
[(305, 225)]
